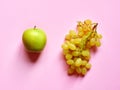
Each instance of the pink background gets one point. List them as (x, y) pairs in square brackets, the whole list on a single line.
[(56, 17)]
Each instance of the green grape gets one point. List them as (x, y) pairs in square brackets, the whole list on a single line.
[(71, 46), (77, 41), (85, 28), (98, 44), (99, 36), (88, 22), (68, 56), (84, 71), (73, 34), (67, 42), (78, 70), (78, 62), (70, 62), (80, 24), (65, 46), (87, 58), (80, 33), (84, 62), (78, 49), (75, 58), (86, 53), (88, 66), (79, 29), (77, 45), (75, 53), (66, 51), (72, 41), (92, 41)]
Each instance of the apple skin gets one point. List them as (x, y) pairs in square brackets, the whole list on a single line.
[(34, 39)]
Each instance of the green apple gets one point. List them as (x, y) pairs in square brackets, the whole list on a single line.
[(34, 39)]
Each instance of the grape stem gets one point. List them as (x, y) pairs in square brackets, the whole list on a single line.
[(85, 39), (95, 26), (88, 35)]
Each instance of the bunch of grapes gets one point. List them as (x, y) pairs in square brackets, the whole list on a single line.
[(77, 45)]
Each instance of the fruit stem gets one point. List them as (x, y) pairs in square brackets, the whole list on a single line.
[(34, 27), (95, 26)]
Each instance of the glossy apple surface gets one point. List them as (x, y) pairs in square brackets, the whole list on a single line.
[(34, 39)]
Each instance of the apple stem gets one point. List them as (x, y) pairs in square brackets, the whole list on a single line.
[(34, 27)]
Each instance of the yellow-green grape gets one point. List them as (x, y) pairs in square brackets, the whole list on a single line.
[(90, 27), (65, 46), (92, 41), (87, 58), (79, 29), (78, 70), (66, 51), (86, 53), (75, 58), (88, 22), (67, 42), (76, 47), (70, 71), (75, 53), (84, 62), (88, 65), (72, 41), (78, 62), (80, 23), (68, 56), (78, 50), (83, 71), (77, 41), (71, 46), (70, 62), (98, 43), (80, 34), (85, 28), (73, 34), (72, 66), (67, 37), (99, 36)]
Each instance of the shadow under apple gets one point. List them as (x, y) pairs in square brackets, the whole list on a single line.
[(33, 56)]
